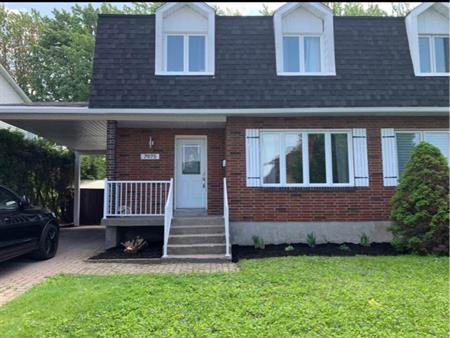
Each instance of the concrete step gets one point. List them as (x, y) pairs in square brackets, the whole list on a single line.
[(197, 239), (193, 230), (196, 249), (196, 259), (206, 220)]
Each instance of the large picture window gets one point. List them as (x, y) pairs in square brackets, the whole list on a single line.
[(306, 158), (407, 140)]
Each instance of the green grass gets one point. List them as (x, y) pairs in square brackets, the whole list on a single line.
[(403, 296)]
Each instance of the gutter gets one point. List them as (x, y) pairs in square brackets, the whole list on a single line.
[(23, 112)]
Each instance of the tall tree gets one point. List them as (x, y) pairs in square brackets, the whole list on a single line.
[(355, 9), (266, 11), (226, 11)]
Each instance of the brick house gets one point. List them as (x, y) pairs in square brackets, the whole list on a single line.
[(218, 129)]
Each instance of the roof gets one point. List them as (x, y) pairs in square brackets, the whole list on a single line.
[(14, 85), (373, 68)]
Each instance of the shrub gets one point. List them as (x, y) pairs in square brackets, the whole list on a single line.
[(364, 240), (311, 239), (344, 247), (258, 242), (420, 205), (289, 248)]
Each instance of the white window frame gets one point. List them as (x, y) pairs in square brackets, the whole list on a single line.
[(432, 47), (301, 46), (421, 133), (305, 157), (185, 53)]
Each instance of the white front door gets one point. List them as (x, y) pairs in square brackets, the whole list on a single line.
[(191, 172)]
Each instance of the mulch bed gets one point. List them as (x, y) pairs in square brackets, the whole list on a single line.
[(328, 249), (153, 250)]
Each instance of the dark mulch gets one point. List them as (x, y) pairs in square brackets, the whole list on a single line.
[(328, 249), (153, 250)]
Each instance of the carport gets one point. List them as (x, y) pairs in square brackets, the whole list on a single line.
[(66, 124)]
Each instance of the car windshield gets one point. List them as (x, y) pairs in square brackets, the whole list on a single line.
[(8, 201)]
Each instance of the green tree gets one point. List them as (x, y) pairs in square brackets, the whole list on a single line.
[(400, 8), (226, 11), (420, 205), (93, 167), (265, 11), (355, 9)]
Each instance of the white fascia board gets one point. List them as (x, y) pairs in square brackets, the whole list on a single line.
[(82, 113), (14, 85)]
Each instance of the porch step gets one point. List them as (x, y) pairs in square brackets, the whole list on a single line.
[(206, 220), (196, 229), (197, 238), (196, 249), (196, 259)]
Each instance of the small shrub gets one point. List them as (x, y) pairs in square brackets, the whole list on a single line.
[(344, 247), (289, 248), (311, 239), (364, 240), (258, 242), (420, 205)]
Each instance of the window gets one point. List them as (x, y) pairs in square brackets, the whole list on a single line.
[(8, 202), (186, 60), (306, 158), (433, 53), (407, 140), (191, 159), (301, 54)]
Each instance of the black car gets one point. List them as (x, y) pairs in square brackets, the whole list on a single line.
[(25, 229)]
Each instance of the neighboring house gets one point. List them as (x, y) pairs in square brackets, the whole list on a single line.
[(11, 93), (309, 117)]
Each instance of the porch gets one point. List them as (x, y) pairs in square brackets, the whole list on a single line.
[(148, 206)]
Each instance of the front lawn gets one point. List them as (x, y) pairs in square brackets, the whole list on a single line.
[(402, 296)]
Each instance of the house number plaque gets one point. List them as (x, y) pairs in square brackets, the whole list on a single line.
[(149, 156)]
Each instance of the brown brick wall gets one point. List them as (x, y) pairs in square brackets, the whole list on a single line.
[(131, 142), (314, 204)]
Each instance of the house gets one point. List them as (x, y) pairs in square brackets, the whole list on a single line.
[(11, 93), (217, 129)]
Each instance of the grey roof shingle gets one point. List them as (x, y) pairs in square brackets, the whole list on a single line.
[(373, 68)]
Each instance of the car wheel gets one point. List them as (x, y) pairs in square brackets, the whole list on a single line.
[(48, 244)]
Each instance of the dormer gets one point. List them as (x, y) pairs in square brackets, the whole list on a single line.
[(184, 39), (427, 26), (304, 39)]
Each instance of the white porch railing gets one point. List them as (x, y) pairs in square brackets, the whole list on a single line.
[(135, 198), (168, 217), (226, 218)]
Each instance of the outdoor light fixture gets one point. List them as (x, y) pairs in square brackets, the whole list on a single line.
[(150, 142)]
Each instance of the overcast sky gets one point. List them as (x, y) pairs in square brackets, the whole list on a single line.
[(246, 8)]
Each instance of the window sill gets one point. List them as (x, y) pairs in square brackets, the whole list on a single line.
[(297, 188), (185, 73), (433, 74), (306, 74)]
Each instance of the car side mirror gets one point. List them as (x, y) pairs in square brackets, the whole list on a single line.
[(24, 203)]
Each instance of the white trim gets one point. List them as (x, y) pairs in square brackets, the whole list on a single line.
[(411, 22), (160, 37), (183, 137), (14, 85), (328, 67), (305, 156), (23, 112)]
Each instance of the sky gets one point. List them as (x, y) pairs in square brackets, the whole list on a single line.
[(245, 8)]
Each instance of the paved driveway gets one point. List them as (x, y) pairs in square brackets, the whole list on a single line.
[(76, 245)]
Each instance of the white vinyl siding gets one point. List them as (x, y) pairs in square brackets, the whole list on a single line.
[(304, 158), (252, 157)]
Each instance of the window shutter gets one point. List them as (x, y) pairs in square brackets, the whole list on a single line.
[(252, 157), (360, 157), (389, 154)]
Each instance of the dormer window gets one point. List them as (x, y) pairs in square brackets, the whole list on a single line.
[(433, 53), (186, 53), (184, 39), (304, 39), (428, 36)]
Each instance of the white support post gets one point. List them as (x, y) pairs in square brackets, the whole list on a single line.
[(76, 195)]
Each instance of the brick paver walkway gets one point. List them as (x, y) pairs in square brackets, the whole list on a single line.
[(77, 244)]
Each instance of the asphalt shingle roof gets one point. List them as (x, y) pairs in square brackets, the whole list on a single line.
[(373, 68)]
